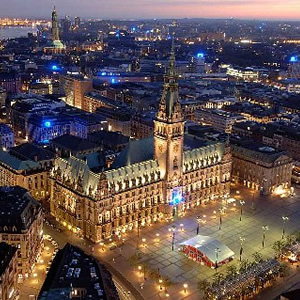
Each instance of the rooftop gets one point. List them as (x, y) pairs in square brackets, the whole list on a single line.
[(17, 209), (73, 143), (32, 152), (208, 245), (73, 268)]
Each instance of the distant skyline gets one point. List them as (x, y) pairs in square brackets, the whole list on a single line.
[(125, 9)]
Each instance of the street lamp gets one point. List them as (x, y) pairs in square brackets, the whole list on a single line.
[(200, 221), (220, 219), (264, 228), (285, 219), (172, 231), (185, 286), (160, 281), (138, 235), (198, 225), (242, 239), (241, 204), (217, 251), (181, 227), (102, 246), (140, 269)]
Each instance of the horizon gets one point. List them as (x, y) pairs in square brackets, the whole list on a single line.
[(269, 10)]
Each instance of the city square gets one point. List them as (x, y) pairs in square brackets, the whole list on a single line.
[(157, 260)]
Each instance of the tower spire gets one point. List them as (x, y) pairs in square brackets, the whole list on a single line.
[(172, 62)]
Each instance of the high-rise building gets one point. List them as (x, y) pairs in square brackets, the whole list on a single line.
[(77, 22), (66, 25)]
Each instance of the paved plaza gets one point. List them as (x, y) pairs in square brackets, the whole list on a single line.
[(153, 248)]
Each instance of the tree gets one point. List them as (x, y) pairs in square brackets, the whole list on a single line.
[(244, 265), (284, 269), (204, 285), (297, 236), (217, 278), (257, 257), (278, 247), (290, 240), (231, 271)]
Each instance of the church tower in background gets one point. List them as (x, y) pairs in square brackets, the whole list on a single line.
[(55, 26)]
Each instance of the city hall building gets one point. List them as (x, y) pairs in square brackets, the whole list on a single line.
[(152, 179)]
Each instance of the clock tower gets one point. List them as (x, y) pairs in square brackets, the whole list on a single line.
[(168, 137)]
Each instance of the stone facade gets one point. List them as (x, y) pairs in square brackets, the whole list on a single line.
[(172, 175), (22, 227), (263, 169)]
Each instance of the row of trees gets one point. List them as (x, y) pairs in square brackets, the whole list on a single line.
[(233, 272), (282, 246)]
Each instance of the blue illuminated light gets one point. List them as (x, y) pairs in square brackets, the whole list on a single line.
[(148, 31), (47, 124), (45, 141), (176, 197), (113, 80), (200, 55), (55, 68), (294, 59), (103, 73), (133, 29)]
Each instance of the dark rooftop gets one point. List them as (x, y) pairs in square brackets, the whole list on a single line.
[(108, 138), (73, 143), (17, 209), (71, 267), (32, 152)]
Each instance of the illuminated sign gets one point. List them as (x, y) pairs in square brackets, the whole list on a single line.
[(55, 68), (294, 59), (200, 55), (47, 124), (176, 197)]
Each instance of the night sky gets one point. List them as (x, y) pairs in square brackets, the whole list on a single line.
[(263, 9)]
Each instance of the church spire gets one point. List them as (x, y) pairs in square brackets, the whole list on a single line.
[(55, 26)]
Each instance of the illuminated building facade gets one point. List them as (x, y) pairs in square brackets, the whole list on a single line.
[(221, 120), (294, 67), (21, 226), (152, 179), (29, 171), (261, 167), (74, 89), (245, 74)]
